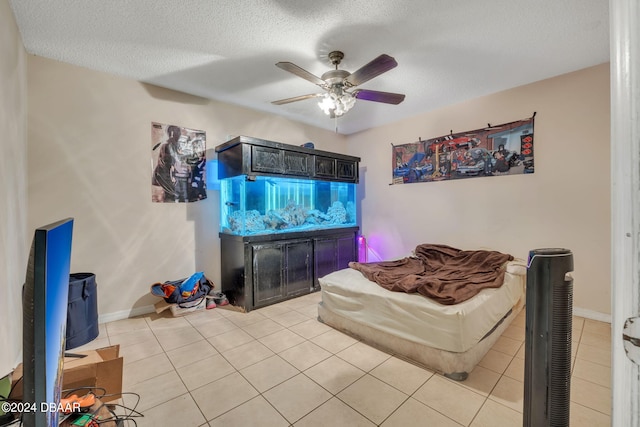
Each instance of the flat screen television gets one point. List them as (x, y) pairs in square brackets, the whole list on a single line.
[(45, 299)]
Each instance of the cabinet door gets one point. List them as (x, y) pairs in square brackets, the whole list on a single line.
[(268, 285), (333, 253), (324, 254), (298, 268), (346, 251)]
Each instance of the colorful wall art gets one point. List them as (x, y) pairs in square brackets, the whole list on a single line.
[(505, 149)]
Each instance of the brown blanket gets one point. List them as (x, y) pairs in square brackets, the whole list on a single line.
[(445, 274)]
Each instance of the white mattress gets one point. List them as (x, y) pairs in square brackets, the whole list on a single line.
[(413, 317)]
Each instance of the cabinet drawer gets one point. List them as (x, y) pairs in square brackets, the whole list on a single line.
[(324, 167), (296, 163), (346, 170), (265, 159)]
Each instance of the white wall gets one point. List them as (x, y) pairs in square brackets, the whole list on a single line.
[(565, 203), (89, 158), (13, 187)]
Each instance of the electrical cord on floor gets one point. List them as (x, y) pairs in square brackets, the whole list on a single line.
[(129, 416), (13, 421), (72, 391), (8, 418), (16, 419), (130, 413)]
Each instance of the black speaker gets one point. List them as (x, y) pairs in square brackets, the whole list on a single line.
[(547, 363)]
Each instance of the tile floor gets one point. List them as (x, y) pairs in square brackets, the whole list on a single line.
[(278, 366)]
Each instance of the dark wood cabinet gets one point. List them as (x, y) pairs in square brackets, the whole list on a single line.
[(257, 272), (260, 267), (245, 155)]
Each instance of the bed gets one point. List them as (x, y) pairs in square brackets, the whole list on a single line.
[(449, 338)]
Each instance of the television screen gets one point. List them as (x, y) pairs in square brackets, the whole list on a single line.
[(45, 302)]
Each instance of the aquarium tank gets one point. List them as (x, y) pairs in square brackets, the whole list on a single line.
[(266, 205)]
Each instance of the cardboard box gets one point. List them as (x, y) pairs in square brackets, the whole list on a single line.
[(99, 369), (177, 311)]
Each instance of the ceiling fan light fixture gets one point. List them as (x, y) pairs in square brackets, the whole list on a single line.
[(326, 104), (337, 101)]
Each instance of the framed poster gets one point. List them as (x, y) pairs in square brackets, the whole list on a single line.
[(178, 164)]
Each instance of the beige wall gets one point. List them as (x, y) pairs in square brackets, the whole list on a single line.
[(13, 187), (565, 203), (90, 158)]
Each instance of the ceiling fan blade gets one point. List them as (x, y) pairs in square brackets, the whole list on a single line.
[(376, 96), (294, 69), (381, 64), (297, 98)]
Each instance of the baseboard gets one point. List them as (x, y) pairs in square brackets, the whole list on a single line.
[(590, 314), (139, 311), (125, 314)]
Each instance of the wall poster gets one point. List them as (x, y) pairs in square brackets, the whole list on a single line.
[(178, 164), (505, 149)]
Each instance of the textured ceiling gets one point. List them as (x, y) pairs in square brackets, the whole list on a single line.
[(447, 50)]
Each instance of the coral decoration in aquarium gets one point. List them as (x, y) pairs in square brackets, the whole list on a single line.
[(266, 205)]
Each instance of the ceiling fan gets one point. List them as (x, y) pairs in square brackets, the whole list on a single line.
[(340, 95)]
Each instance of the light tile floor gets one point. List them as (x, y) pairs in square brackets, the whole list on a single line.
[(279, 366)]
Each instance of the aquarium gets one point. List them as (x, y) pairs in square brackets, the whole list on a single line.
[(266, 205)]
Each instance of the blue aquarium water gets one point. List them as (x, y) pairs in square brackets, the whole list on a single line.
[(281, 205)]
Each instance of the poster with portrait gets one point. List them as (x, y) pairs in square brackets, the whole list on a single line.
[(505, 149), (178, 164)]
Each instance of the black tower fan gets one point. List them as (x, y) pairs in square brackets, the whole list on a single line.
[(547, 363)]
